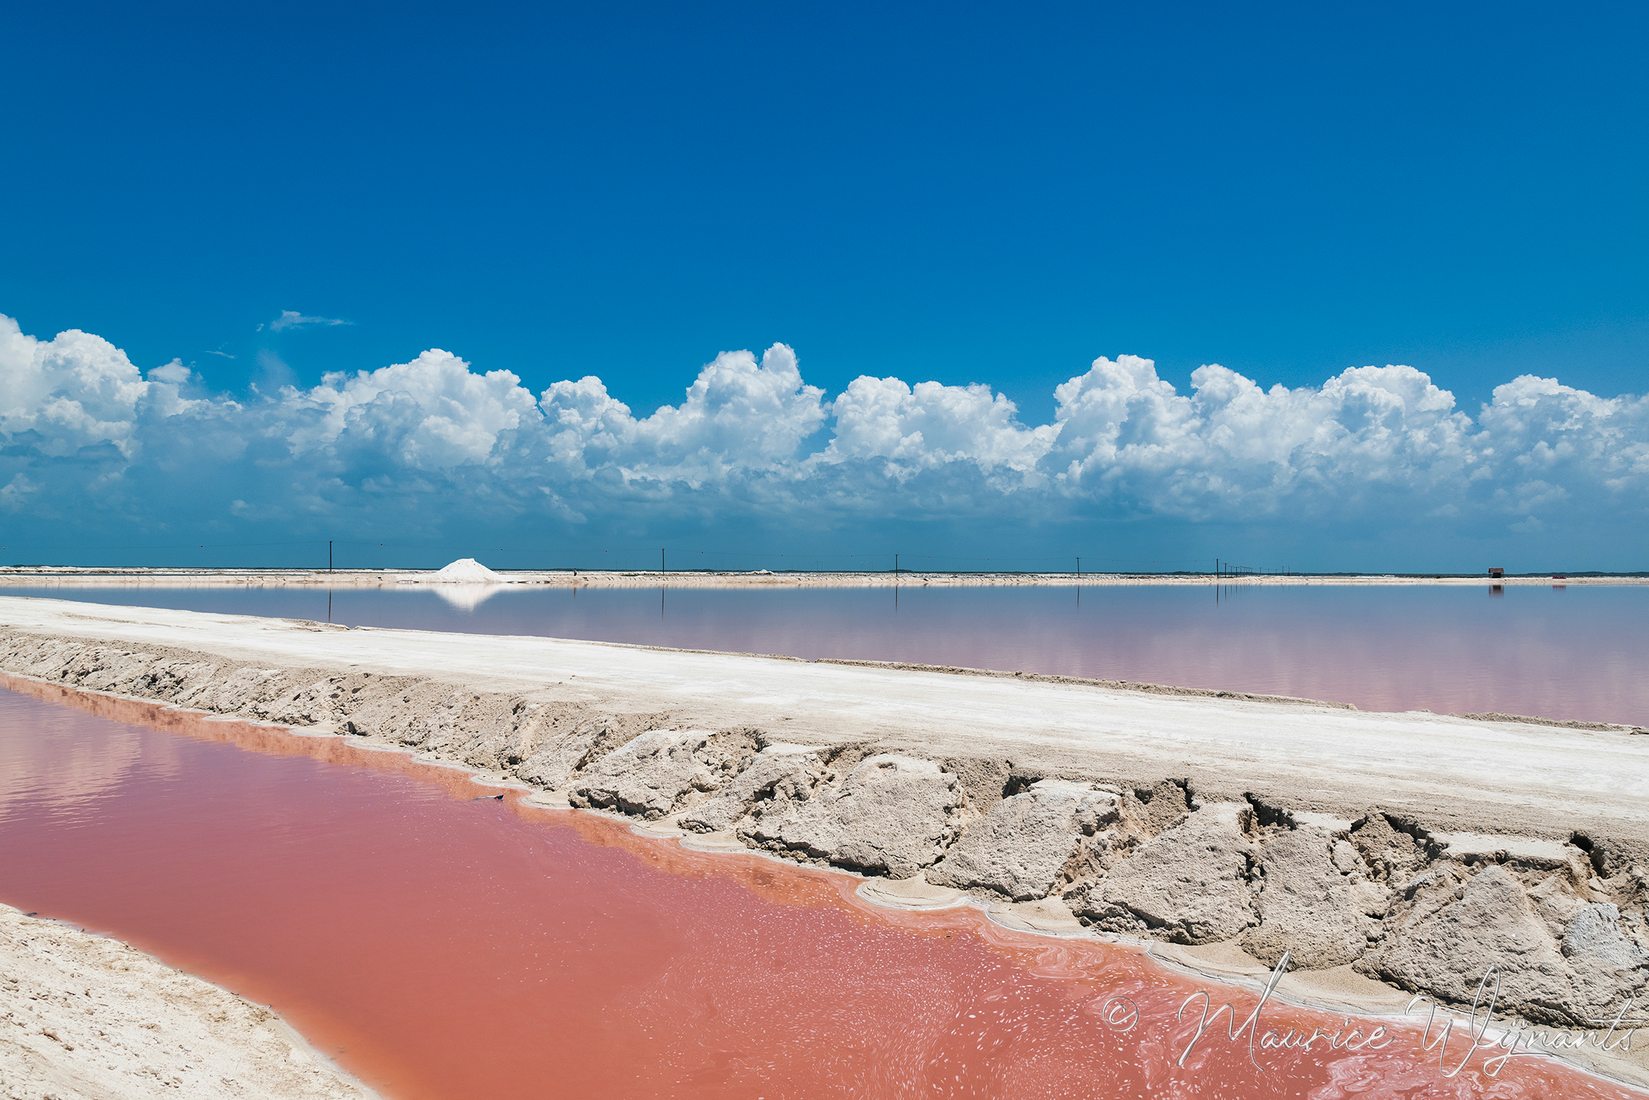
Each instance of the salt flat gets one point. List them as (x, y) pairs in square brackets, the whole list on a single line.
[(1485, 777)]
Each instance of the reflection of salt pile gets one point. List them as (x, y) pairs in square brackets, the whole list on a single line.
[(466, 597), (464, 584), (465, 571)]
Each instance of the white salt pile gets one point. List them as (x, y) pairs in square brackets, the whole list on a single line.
[(465, 571)]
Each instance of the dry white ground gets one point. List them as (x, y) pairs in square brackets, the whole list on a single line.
[(85, 1016), (1496, 777)]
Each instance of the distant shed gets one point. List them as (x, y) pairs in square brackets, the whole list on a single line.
[(1497, 572)]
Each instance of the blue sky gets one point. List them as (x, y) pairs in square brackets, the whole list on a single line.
[(927, 194)]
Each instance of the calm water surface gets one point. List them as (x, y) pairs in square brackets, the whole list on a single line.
[(1575, 653), (440, 945)]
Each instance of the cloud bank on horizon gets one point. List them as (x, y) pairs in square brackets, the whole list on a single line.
[(88, 439)]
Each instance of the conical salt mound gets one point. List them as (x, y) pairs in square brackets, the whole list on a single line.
[(465, 571)]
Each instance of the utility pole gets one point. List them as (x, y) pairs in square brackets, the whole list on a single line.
[(1079, 567), (896, 568), (329, 555), (661, 563)]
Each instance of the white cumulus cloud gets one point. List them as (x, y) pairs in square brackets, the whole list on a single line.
[(913, 428), (85, 432), (73, 391), (431, 412)]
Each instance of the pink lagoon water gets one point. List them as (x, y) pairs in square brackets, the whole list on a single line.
[(442, 944), (1567, 653)]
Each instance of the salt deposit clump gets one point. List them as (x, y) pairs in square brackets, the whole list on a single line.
[(465, 571)]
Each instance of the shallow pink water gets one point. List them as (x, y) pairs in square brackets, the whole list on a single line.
[(441, 945)]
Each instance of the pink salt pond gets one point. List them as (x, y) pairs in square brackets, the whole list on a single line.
[(439, 943), (1574, 654)]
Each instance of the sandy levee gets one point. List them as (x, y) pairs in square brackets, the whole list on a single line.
[(1416, 853), (1517, 778), (86, 1016)]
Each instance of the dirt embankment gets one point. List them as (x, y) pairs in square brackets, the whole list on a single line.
[(1382, 894)]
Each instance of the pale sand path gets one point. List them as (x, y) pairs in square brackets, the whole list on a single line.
[(85, 1016), (1461, 774)]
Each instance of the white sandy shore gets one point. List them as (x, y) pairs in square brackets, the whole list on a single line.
[(86, 1016), (1479, 777), (65, 576)]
